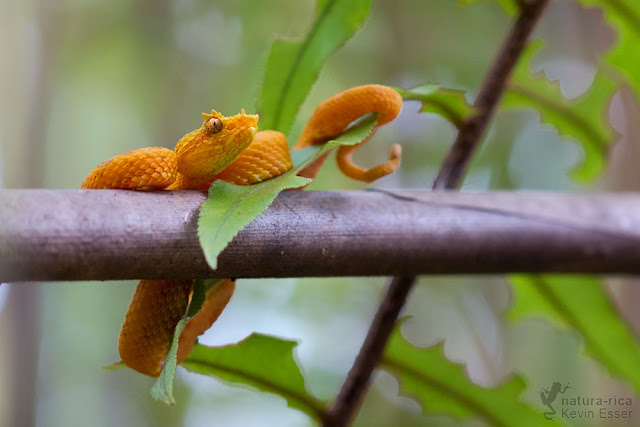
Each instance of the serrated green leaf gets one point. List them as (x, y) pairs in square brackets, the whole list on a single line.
[(584, 119), (448, 103), (624, 17), (162, 390), (262, 362), (293, 66), (442, 387), (509, 6), (581, 303), (229, 208), (354, 134)]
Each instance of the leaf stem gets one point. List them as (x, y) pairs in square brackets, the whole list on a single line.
[(450, 176)]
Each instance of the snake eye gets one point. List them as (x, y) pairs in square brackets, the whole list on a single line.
[(213, 125)]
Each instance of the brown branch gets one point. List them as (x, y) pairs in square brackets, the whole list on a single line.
[(455, 164), (450, 176), (100, 235), (357, 382)]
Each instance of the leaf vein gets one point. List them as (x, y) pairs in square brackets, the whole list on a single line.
[(316, 406), (474, 406)]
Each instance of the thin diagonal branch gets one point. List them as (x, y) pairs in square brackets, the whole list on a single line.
[(450, 176), (457, 161), (357, 383)]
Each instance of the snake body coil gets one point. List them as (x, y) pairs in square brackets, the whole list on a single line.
[(230, 149)]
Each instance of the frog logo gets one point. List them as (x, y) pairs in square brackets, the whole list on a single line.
[(549, 396)]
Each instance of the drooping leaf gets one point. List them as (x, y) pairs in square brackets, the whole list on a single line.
[(262, 362), (162, 390), (509, 6), (584, 119), (624, 17), (581, 303), (443, 387), (293, 66), (229, 208), (448, 103)]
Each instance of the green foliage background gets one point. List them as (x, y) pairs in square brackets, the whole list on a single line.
[(84, 81)]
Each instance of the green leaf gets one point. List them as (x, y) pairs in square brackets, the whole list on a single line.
[(442, 387), (584, 119), (260, 361), (162, 390), (448, 103), (200, 288), (229, 208), (581, 303), (293, 66), (624, 17)]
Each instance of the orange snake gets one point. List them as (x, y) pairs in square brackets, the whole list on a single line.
[(231, 149)]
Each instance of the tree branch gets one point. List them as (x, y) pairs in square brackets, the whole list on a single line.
[(449, 177), (457, 160), (101, 234)]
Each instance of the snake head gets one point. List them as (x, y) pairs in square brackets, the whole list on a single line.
[(206, 151)]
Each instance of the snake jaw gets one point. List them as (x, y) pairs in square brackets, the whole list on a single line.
[(205, 152)]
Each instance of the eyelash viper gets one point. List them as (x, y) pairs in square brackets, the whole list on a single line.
[(231, 149)]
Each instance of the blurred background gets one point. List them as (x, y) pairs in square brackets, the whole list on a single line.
[(82, 81)]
